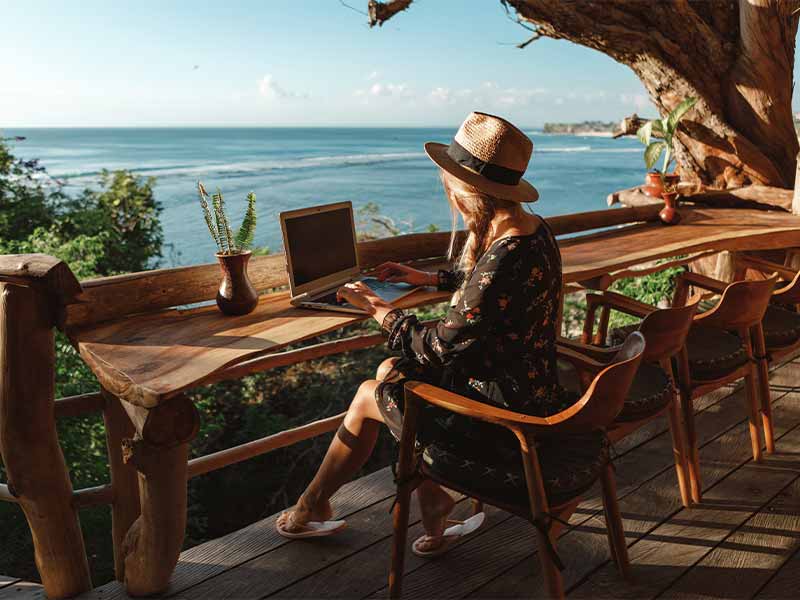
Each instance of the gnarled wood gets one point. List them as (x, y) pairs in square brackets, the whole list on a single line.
[(36, 470), (159, 451), (752, 196)]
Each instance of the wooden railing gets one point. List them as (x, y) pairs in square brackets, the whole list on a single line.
[(39, 293)]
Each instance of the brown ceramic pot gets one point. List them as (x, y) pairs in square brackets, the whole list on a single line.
[(654, 186), (236, 295), (669, 214)]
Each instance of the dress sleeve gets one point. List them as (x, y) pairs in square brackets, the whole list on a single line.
[(449, 281), (453, 337)]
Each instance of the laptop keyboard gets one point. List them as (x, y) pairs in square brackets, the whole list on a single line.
[(330, 299)]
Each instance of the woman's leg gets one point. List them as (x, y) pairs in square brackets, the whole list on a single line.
[(349, 450), (435, 504)]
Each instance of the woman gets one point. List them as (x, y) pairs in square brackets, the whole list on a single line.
[(496, 343)]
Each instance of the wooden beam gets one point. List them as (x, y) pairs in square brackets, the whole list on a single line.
[(98, 495), (77, 406), (231, 456), (597, 219), (29, 441), (48, 273)]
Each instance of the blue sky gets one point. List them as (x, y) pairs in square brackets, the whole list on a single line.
[(292, 62)]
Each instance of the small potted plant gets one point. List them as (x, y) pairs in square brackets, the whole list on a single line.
[(236, 295), (662, 182)]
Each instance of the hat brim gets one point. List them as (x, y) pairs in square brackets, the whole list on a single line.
[(521, 192)]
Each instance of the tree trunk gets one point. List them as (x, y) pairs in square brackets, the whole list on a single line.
[(737, 58)]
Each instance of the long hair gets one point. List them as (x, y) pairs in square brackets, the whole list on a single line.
[(478, 209)]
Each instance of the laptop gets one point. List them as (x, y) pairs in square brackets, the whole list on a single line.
[(321, 256)]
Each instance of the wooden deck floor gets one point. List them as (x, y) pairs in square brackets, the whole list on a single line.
[(741, 542)]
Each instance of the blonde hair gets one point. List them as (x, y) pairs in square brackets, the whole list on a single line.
[(478, 209)]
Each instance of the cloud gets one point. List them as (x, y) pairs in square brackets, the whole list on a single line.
[(374, 75), (269, 88), (385, 90), (487, 93), (640, 101)]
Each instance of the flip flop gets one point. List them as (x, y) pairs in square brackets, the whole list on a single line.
[(312, 529), (450, 536)]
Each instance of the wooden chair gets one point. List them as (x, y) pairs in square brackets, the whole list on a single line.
[(720, 348), (550, 493), (653, 391)]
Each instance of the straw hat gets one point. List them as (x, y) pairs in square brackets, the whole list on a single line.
[(490, 154)]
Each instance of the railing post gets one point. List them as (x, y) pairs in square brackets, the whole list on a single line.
[(33, 292), (124, 478)]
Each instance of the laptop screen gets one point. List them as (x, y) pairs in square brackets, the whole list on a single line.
[(320, 244)]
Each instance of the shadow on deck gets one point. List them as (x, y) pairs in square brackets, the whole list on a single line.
[(741, 542)]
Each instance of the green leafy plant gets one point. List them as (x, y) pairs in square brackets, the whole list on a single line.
[(219, 227), (665, 130)]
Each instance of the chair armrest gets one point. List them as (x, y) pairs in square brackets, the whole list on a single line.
[(620, 303), (472, 408), (598, 355), (765, 266), (701, 281)]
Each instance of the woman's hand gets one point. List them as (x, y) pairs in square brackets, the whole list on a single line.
[(361, 296), (397, 273)]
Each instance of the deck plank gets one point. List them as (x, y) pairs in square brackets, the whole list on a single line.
[(692, 535), (5, 580), (219, 555), (584, 548), (785, 582), (746, 560), (23, 590)]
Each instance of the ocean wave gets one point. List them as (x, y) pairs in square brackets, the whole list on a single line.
[(565, 149), (250, 167)]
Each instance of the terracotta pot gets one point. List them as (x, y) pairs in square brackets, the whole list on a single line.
[(653, 186), (669, 214), (236, 295)]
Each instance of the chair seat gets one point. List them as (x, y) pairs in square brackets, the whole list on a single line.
[(713, 353), (781, 327), (650, 392), (570, 465)]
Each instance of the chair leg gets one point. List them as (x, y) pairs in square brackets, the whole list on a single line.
[(679, 452), (766, 405), (616, 533), (678, 443), (693, 455), (405, 485), (554, 584), (751, 399)]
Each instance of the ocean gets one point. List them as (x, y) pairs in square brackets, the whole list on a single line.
[(295, 167)]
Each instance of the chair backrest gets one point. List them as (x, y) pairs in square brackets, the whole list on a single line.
[(604, 399), (789, 293), (743, 304), (665, 331)]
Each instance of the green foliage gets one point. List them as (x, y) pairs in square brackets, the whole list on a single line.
[(247, 230), (216, 219), (664, 128)]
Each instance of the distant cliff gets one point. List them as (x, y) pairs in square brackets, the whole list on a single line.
[(584, 128)]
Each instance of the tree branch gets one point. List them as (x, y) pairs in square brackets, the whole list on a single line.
[(380, 12)]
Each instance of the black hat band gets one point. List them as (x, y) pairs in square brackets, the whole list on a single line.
[(492, 172)]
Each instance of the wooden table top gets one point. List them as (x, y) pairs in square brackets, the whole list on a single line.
[(148, 358)]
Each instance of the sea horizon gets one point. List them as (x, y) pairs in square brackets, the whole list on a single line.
[(291, 167)]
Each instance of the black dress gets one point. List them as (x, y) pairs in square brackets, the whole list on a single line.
[(496, 344)]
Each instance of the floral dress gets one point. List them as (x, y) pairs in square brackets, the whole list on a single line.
[(496, 344)]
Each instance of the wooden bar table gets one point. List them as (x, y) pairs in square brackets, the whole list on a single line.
[(145, 361)]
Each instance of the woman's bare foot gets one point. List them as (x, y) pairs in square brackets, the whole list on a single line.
[(294, 520), (435, 505)]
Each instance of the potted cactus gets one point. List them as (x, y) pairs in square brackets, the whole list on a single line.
[(662, 182), (236, 295)]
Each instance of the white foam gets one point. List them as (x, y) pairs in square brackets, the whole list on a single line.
[(310, 162)]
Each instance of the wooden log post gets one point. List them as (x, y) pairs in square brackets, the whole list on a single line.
[(124, 478), (793, 258), (33, 292), (159, 451)]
